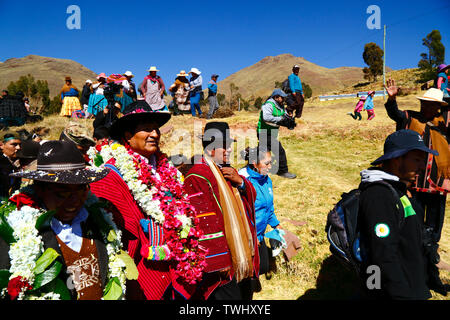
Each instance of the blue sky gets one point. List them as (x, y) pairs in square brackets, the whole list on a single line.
[(217, 36)]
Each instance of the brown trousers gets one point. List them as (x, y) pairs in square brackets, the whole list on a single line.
[(295, 103)]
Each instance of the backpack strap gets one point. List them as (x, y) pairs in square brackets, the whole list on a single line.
[(403, 204)]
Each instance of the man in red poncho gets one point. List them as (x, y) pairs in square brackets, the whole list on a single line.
[(224, 203), (150, 206)]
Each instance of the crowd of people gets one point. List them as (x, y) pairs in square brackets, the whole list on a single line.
[(186, 92), (114, 202), (15, 110), (109, 216)]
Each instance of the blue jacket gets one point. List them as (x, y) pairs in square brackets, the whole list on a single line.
[(212, 86), (294, 83), (444, 84), (368, 105), (264, 209)]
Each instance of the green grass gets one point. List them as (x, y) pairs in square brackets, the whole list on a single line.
[(326, 150)]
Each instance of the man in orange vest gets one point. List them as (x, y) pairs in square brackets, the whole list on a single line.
[(432, 185)]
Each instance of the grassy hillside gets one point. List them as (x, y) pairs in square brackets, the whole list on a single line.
[(44, 68), (258, 79), (327, 150), (407, 79)]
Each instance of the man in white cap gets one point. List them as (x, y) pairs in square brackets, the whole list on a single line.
[(295, 100), (152, 89), (212, 96), (129, 85), (431, 186), (195, 83)]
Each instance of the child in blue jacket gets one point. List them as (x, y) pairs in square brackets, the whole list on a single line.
[(368, 105)]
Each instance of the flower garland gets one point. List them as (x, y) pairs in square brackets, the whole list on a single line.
[(25, 251), (161, 197), (27, 247)]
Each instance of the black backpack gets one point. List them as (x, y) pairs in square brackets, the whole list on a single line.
[(285, 86), (342, 226)]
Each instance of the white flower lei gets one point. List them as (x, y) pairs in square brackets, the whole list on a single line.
[(141, 192), (28, 247)]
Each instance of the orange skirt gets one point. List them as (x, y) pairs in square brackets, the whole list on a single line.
[(70, 104)]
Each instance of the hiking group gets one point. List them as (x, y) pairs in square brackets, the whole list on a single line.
[(109, 216)]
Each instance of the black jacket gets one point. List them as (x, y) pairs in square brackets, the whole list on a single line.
[(104, 120), (7, 183), (49, 240), (13, 107), (85, 94), (396, 250)]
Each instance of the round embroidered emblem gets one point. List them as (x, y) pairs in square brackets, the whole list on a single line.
[(382, 230)]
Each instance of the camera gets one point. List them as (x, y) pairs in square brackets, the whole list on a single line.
[(110, 90)]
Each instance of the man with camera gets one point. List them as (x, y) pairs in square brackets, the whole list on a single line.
[(272, 116)]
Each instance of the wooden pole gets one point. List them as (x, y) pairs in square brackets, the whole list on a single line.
[(384, 62)]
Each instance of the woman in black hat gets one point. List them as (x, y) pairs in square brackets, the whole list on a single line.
[(63, 242), (150, 205)]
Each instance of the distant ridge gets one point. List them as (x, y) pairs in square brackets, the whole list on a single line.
[(53, 70), (259, 79)]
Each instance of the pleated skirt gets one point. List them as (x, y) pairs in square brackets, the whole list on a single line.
[(70, 104)]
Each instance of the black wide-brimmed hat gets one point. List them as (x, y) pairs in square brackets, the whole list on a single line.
[(216, 132), (62, 162), (134, 112)]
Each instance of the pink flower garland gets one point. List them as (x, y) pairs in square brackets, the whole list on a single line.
[(173, 201)]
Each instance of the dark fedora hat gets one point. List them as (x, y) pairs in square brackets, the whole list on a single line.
[(216, 132), (61, 162), (29, 149), (136, 112), (401, 142)]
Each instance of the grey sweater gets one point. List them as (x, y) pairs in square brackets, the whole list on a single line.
[(267, 110)]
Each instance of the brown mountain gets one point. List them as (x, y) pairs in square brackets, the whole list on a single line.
[(44, 68), (259, 79), (256, 80)]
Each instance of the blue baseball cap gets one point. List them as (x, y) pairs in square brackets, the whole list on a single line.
[(401, 142), (279, 92)]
